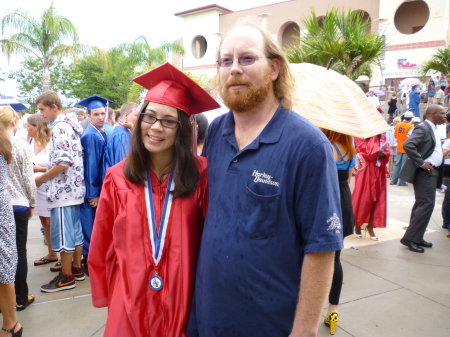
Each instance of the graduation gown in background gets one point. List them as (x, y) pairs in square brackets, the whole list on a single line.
[(94, 144), (117, 148), (370, 186), (414, 101), (121, 263)]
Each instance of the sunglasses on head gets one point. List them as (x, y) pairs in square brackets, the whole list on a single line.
[(245, 60)]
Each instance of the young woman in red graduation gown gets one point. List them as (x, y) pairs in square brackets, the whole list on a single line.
[(146, 236), (370, 194)]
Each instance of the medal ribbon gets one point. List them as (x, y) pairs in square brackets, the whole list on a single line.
[(158, 238), (122, 124), (101, 133)]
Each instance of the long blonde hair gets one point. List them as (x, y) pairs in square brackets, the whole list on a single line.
[(8, 115), (5, 144), (43, 133)]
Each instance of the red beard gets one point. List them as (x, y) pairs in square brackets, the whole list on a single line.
[(245, 99)]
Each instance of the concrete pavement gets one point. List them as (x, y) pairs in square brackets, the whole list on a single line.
[(388, 290)]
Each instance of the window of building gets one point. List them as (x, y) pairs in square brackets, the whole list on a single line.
[(199, 46), (411, 16), (291, 30), (320, 20)]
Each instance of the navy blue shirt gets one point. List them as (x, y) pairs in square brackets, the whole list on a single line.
[(269, 204)]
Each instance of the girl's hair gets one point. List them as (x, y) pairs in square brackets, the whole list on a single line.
[(43, 133), (345, 140), (184, 164), (8, 115), (5, 144)]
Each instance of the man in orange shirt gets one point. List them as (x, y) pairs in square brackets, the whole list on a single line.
[(401, 134)]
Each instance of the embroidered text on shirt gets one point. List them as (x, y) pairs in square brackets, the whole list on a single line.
[(264, 178), (335, 223)]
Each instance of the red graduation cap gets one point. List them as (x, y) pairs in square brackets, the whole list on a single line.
[(169, 86)]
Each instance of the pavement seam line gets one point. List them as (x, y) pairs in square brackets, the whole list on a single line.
[(98, 330), (430, 299), (373, 258), (368, 296), (62, 299)]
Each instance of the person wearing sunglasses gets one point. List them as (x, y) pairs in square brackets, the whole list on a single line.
[(274, 214), (150, 214)]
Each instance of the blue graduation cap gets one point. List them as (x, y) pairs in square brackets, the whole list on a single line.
[(94, 102)]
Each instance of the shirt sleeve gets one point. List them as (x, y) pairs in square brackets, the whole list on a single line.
[(446, 144), (317, 201), (93, 160), (63, 154), (101, 242), (26, 156)]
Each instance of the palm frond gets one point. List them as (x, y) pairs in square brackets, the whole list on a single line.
[(344, 35), (439, 62)]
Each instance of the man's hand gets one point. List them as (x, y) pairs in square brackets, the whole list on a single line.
[(428, 167), (315, 283), (39, 181), (382, 154), (93, 202)]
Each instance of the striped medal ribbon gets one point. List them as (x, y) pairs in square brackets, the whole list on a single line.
[(158, 238)]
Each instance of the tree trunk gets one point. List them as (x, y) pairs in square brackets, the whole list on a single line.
[(46, 75)]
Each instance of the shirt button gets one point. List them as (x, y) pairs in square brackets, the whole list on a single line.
[(235, 160)]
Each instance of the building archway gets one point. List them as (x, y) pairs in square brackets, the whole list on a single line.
[(320, 20), (287, 34), (366, 18)]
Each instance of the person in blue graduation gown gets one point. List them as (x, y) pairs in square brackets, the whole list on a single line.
[(94, 142), (119, 144), (414, 101)]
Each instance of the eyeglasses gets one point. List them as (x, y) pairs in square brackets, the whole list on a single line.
[(167, 123), (245, 60)]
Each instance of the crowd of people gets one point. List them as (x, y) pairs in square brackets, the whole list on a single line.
[(242, 240), (435, 91)]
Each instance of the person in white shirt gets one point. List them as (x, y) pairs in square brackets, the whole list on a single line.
[(393, 143), (424, 169), (415, 121), (373, 100)]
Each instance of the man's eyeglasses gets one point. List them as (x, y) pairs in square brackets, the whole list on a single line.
[(245, 60), (167, 123)]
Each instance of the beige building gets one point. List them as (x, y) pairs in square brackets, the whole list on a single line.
[(413, 30)]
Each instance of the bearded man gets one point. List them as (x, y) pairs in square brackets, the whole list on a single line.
[(273, 222)]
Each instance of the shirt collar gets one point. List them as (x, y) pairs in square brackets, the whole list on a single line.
[(270, 134), (434, 126)]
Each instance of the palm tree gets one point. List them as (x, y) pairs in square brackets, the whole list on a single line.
[(440, 62), (44, 39), (148, 56), (344, 36)]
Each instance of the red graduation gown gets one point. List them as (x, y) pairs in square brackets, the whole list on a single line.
[(370, 186), (120, 258)]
